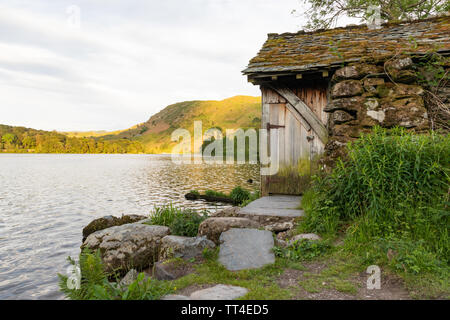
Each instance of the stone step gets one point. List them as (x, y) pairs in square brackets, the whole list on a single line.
[(272, 209), (246, 249)]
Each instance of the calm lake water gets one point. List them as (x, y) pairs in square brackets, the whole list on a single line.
[(46, 200)]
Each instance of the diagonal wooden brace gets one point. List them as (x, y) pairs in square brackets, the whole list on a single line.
[(305, 112)]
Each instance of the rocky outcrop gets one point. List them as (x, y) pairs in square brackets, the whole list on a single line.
[(127, 246), (183, 247), (212, 228), (108, 222)]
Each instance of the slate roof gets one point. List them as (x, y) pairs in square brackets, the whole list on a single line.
[(308, 51)]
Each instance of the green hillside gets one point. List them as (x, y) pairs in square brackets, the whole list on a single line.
[(152, 136), (231, 113)]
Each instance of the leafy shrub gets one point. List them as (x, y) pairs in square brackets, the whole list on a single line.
[(303, 249), (239, 195), (394, 186), (186, 223), (95, 284)]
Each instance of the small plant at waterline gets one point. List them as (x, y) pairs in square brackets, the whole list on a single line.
[(239, 195)]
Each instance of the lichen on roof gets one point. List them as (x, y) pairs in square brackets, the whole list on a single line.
[(305, 51)]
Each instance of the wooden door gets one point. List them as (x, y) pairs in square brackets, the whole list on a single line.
[(291, 139)]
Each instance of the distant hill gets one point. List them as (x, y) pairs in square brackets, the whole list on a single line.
[(232, 113), (152, 136)]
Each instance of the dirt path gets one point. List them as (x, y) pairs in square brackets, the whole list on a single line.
[(309, 284)]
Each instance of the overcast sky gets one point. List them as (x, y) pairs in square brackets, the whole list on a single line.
[(123, 61)]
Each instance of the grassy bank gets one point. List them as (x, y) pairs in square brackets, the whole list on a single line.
[(388, 203)]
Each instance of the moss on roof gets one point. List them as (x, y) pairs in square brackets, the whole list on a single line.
[(306, 51)]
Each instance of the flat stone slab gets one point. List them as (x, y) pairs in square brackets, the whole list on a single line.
[(246, 249), (219, 292), (279, 206)]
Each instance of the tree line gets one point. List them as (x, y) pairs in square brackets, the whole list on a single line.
[(21, 139)]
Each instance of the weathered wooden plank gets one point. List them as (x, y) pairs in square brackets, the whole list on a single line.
[(297, 145), (281, 134), (310, 117), (289, 139), (304, 145), (270, 96), (276, 117)]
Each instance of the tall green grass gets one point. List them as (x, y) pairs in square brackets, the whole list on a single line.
[(392, 192), (182, 222)]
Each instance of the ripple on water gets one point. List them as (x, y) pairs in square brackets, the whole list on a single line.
[(46, 200)]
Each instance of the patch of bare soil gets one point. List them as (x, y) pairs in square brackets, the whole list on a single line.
[(392, 288)]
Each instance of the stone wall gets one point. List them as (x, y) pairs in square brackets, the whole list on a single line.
[(386, 93)]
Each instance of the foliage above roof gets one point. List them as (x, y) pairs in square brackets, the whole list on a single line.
[(307, 51)]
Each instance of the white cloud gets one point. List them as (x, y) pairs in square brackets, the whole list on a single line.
[(130, 58)]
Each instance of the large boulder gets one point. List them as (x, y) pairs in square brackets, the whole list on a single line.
[(212, 228), (246, 249), (127, 246), (183, 247), (108, 222)]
